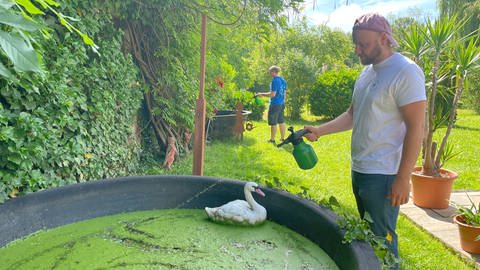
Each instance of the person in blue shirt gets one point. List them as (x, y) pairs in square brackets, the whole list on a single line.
[(277, 94)]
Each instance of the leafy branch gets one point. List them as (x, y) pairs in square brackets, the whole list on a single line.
[(17, 28), (63, 19), (357, 228)]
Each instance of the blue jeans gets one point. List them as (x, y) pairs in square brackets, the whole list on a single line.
[(371, 193)]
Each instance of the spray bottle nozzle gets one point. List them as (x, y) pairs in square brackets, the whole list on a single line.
[(295, 137)]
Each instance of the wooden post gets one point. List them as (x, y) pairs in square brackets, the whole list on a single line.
[(199, 140)]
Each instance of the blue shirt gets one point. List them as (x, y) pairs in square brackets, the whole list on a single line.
[(279, 86)]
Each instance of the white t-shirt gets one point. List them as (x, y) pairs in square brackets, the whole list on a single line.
[(378, 128)]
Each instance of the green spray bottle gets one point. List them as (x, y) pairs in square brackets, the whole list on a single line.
[(258, 100), (302, 152)]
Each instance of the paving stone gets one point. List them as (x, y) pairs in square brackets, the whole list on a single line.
[(449, 236), (461, 198), (450, 212), (443, 228), (412, 211)]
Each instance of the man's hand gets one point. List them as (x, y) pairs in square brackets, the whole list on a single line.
[(400, 192), (413, 115), (311, 136)]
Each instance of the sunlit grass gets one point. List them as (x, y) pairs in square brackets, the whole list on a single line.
[(465, 138), (256, 159)]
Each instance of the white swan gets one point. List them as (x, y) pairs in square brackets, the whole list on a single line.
[(239, 211)]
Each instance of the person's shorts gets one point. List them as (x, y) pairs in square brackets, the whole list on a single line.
[(276, 114)]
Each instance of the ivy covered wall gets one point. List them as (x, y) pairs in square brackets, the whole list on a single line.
[(76, 121)]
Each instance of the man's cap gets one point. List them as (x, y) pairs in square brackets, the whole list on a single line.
[(377, 23)]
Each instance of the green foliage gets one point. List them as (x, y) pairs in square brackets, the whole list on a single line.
[(472, 97), (164, 38), (18, 30), (331, 95), (75, 122), (249, 104), (300, 76), (16, 42), (302, 51), (328, 47), (359, 229), (462, 9)]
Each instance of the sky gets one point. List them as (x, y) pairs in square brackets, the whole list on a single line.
[(336, 14)]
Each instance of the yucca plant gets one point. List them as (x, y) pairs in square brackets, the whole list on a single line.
[(443, 54), (466, 58)]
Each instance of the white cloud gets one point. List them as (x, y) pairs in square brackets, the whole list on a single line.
[(344, 16)]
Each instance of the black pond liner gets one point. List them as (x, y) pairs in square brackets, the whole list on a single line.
[(222, 124), (56, 207)]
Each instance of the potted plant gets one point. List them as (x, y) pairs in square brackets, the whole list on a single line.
[(446, 59), (468, 221)]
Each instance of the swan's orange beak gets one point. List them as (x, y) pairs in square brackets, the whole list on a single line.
[(259, 191)]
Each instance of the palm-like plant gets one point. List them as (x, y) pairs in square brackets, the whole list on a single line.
[(441, 52), (466, 58)]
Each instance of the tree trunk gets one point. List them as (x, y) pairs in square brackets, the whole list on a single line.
[(428, 163), (451, 119), (137, 43)]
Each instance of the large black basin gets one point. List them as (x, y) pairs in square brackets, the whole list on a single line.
[(222, 124), (56, 207)]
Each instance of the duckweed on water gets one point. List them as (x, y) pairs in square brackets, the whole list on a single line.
[(164, 239)]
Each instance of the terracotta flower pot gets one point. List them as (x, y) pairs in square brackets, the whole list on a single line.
[(468, 234), (432, 192)]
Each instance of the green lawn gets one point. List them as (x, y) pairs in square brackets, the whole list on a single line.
[(255, 159), (465, 138)]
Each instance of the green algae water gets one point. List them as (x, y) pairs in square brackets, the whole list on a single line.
[(164, 239)]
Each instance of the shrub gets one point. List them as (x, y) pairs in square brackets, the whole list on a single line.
[(332, 93), (299, 72), (248, 102)]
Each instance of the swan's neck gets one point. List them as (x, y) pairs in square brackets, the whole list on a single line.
[(249, 198)]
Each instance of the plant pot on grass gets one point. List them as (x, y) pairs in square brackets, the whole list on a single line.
[(442, 53), (468, 222)]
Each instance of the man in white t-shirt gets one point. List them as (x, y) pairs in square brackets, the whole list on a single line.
[(386, 117)]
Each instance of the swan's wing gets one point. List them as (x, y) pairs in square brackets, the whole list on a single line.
[(239, 212), (232, 212), (235, 208)]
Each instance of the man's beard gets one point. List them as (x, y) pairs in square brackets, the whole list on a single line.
[(371, 58)]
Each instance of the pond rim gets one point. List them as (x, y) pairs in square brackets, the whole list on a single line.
[(68, 204)]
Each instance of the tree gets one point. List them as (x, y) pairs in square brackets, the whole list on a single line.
[(470, 10), (462, 9), (300, 73), (163, 36), (302, 51)]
